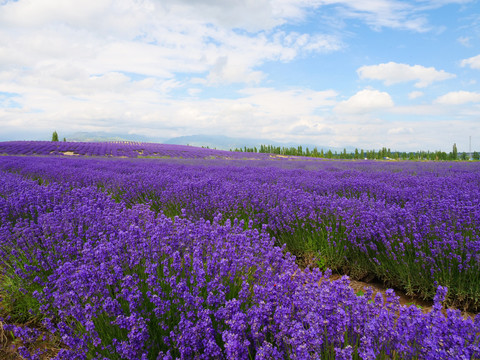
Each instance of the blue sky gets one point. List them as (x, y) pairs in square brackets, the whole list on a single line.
[(366, 74)]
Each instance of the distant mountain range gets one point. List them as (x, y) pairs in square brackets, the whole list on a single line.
[(212, 141)]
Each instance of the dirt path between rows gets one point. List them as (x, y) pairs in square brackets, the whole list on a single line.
[(425, 306)]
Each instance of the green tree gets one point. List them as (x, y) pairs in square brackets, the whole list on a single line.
[(64, 139), (55, 136), (476, 156), (454, 152), (382, 153)]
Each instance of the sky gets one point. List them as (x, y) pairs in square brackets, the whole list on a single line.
[(367, 74)]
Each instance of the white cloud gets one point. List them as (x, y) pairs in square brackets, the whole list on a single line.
[(400, 131), (365, 101), (108, 63), (266, 14), (473, 62), (250, 15), (383, 13), (465, 41), (458, 98), (415, 94), (393, 73), (236, 60), (33, 13), (311, 127), (256, 112), (194, 91), (255, 15), (151, 38), (289, 102)]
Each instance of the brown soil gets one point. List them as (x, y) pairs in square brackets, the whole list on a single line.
[(377, 287), (9, 346)]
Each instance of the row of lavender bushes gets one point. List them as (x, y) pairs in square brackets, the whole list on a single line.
[(119, 282), (118, 149), (412, 225)]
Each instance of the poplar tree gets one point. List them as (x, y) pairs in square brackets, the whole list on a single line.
[(55, 136)]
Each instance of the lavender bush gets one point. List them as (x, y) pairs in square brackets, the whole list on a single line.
[(121, 282), (413, 225)]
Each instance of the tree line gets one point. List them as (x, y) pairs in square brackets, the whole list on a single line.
[(381, 154)]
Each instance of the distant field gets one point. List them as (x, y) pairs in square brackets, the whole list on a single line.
[(118, 149), (189, 254)]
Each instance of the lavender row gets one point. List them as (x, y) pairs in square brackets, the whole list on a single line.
[(118, 149), (117, 282), (412, 225)]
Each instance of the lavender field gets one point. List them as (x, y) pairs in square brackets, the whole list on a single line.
[(198, 258), (119, 149)]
